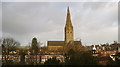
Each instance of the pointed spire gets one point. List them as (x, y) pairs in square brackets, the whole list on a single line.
[(68, 18), (68, 28), (68, 11)]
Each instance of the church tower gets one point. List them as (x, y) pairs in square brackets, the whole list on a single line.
[(69, 35)]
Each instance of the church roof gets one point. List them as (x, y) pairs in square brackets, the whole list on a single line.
[(55, 43), (61, 43)]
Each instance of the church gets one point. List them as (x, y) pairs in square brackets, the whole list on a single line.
[(61, 47)]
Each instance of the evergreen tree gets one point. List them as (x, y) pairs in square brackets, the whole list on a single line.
[(35, 47)]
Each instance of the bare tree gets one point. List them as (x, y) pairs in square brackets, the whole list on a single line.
[(10, 42), (7, 44)]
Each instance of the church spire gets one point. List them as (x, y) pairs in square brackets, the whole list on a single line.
[(68, 11), (68, 18), (68, 28)]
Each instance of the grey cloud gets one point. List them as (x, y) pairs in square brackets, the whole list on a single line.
[(46, 20), (0, 20)]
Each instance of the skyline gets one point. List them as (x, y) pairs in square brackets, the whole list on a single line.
[(28, 20)]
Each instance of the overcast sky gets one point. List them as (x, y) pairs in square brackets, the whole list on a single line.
[(93, 22)]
